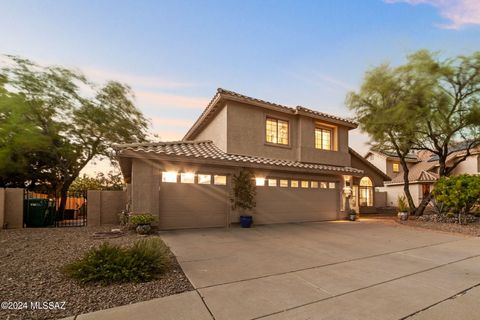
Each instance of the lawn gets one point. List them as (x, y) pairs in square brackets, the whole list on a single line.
[(31, 262)]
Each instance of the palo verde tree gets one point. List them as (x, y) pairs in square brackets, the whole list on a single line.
[(74, 119), (383, 108), (426, 104), (452, 110)]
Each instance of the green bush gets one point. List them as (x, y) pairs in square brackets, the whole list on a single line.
[(108, 263), (144, 218), (458, 193)]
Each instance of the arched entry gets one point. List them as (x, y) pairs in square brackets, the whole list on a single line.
[(365, 192)]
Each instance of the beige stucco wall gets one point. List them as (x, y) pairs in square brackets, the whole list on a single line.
[(216, 130), (145, 183), (2, 207), (246, 132), (376, 178), (469, 166), (380, 199), (378, 161), (393, 192), (104, 207), (13, 206)]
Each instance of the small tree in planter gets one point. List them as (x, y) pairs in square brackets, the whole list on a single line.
[(142, 222), (244, 196), (402, 208)]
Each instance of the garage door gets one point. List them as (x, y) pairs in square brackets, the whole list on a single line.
[(280, 205), (192, 206)]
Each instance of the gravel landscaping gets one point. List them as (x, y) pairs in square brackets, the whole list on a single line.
[(471, 229), (30, 263)]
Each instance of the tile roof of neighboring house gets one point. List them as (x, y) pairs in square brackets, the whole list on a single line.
[(212, 107), (417, 173), (462, 146), (410, 156), (191, 150)]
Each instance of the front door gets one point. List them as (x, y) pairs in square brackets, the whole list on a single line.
[(354, 199)]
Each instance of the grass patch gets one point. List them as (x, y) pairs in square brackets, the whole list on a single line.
[(145, 260)]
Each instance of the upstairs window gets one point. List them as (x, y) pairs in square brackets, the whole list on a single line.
[(276, 131), (323, 138), (396, 167)]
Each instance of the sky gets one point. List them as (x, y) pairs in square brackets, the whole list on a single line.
[(175, 54)]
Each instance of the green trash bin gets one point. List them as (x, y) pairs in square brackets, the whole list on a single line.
[(37, 212)]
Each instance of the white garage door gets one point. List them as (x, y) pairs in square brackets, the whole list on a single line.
[(192, 206), (280, 205)]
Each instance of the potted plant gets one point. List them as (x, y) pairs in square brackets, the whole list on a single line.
[(402, 208), (142, 222), (244, 196), (352, 215)]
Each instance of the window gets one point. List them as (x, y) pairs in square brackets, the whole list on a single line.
[(314, 184), (331, 185), (260, 182), (169, 176), (276, 131), (294, 183), (219, 180), (187, 177), (323, 138), (272, 182), (396, 167), (323, 185), (283, 183), (304, 184), (365, 192), (204, 179)]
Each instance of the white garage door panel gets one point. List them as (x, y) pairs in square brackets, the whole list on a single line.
[(192, 206), (278, 205)]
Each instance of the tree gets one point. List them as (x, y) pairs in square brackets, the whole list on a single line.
[(452, 110), (458, 193), (76, 119), (426, 104), (383, 108), (243, 190), (111, 181)]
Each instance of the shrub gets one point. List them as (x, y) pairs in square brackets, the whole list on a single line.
[(402, 204), (144, 218), (458, 193), (108, 263)]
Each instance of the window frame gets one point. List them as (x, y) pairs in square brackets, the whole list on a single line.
[(322, 129), (397, 165), (277, 119), (220, 184)]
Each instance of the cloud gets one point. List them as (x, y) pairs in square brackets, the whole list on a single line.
[(135, 80), (459, 12), (166, 100)]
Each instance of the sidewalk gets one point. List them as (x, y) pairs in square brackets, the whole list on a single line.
[(183, 306)]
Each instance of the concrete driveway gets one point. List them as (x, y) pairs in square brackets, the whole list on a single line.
[(331, 270)]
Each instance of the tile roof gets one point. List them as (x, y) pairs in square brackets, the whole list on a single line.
[(208, 150), (211, 107), (419, 172)]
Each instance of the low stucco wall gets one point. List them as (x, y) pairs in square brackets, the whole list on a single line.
[(104, 207), (11, 208), (380, 199)]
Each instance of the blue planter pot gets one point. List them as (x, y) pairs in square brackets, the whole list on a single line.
[(246, 221)]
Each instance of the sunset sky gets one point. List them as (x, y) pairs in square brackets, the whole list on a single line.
[(175, 54)]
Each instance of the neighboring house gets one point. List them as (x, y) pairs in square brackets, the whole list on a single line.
[(300, 159), (423, 171)]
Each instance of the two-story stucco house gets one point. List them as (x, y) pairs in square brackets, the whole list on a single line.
[(423, 171), (300, 158)]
